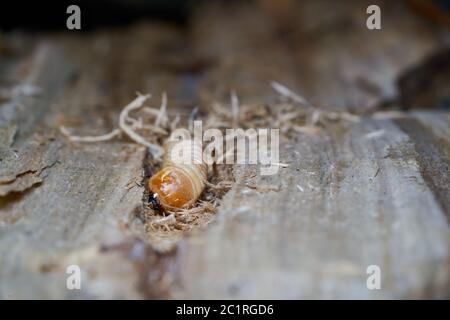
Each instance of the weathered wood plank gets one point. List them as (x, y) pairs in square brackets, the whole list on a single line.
[(309, 52), (372, 192), (364, 202), (359, 70), (365, 199), (87, 195)]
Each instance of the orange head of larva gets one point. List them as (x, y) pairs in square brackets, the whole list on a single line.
[(171, 188)]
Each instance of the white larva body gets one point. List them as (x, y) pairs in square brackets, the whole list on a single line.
[(182, 178)]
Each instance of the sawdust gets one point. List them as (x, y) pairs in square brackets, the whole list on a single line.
[(165, 229), (130, 126), (151, 127), (292, 115)]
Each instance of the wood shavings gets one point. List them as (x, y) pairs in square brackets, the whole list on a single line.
[(169, 220), (349, 117), (316, 116), (234, 109), (162, 115), (285, 116), (174, 124), (129, 125), (137, 103), (263, 188), (178, 222), (192, 116), (307, 129), (221, 185), (279, 164), (374, 134), (100, 138), (287, 93)]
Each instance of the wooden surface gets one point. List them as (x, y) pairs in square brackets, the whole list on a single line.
[(370, 192)]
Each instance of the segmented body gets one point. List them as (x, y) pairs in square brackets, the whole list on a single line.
[(182, 178)]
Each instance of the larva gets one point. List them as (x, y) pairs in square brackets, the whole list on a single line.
[(179, 183)]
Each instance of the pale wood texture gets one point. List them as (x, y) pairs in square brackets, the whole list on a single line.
[(373, 192)]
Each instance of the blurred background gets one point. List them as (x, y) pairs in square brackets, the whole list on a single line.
[(42, 15), (368, 187), (46, 14), (321, 39)]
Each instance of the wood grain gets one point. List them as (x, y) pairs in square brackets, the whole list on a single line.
[(372, 192)]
